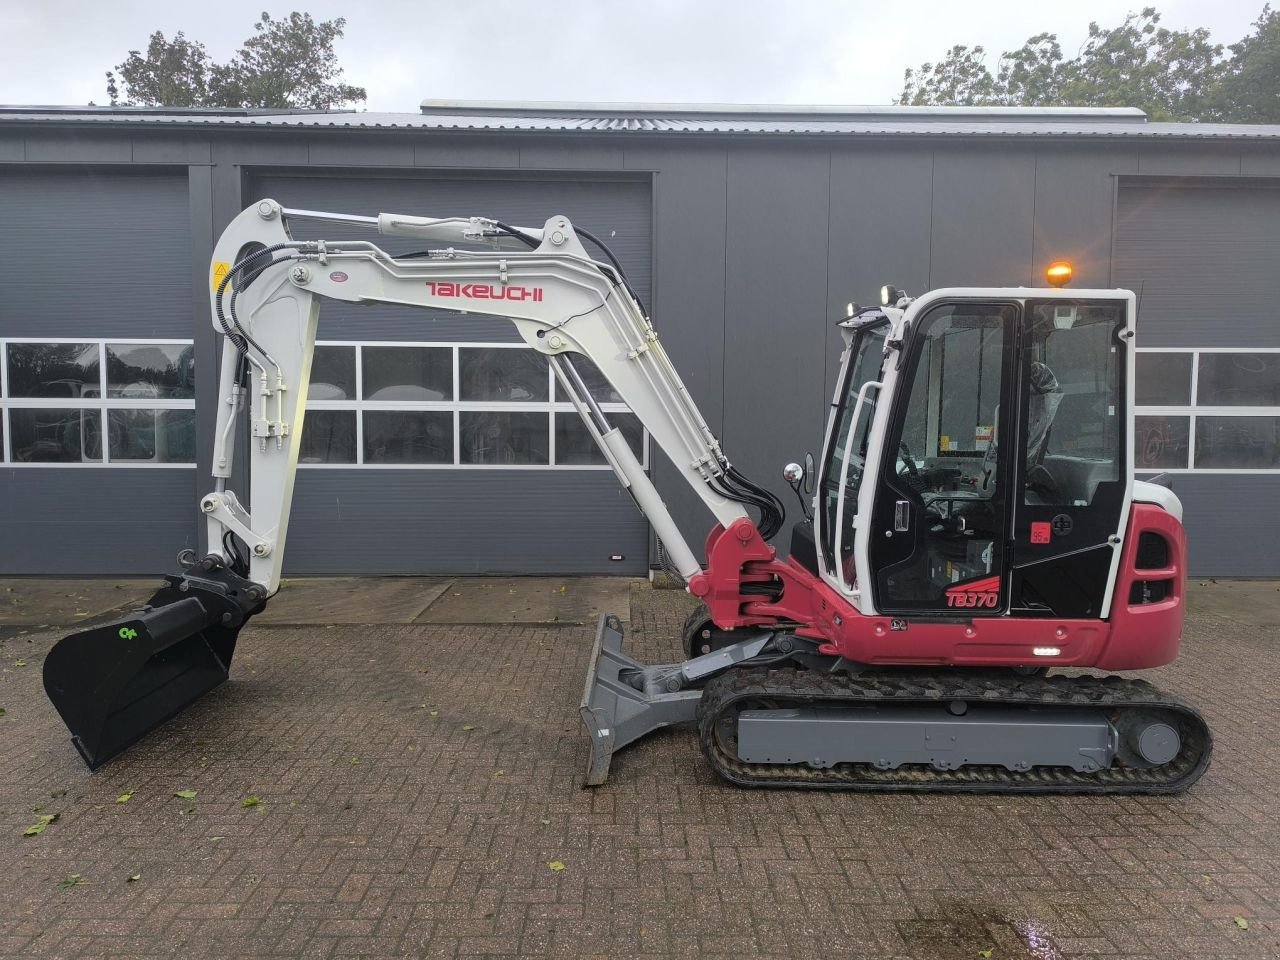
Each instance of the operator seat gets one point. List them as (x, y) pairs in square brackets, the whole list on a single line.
[(1046, 397)]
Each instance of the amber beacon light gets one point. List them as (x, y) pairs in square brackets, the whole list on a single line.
[(1058, 273)]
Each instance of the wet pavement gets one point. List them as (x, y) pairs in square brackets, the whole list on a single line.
[(417, 788)]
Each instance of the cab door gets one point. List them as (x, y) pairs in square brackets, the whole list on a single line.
[(940, 524), (1072, 490)]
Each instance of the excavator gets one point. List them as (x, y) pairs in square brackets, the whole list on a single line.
[(973, 521)]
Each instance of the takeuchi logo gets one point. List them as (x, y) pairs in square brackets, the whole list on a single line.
[(483, 291), (977, 593)]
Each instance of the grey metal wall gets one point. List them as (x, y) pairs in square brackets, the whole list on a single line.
[(464, 521), (96, 253), (757, 243)]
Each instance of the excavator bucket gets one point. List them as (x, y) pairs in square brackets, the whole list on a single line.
[(115, 683)]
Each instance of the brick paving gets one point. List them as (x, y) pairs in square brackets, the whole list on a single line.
[(416, 781)]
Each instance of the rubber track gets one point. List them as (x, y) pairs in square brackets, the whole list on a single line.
[(788, 687)]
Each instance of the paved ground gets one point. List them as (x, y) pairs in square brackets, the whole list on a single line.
[(419, 788)]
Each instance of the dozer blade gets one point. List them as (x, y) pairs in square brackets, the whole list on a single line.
[(624, 700), (116, 683)]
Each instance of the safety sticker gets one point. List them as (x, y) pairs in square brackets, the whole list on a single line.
[(1041, 531), (220, 269)]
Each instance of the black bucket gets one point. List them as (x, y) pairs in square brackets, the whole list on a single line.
[(116, 683)]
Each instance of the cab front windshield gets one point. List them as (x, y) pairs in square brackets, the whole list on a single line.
[(866, 358)]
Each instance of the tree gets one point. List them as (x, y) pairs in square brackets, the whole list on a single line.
[(288, 63), (1250, 87), (1171, 74)]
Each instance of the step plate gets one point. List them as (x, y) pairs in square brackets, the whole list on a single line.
[(886, 738)]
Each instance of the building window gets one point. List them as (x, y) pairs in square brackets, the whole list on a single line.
[(1207, 410), (440, 405), (97, 402)]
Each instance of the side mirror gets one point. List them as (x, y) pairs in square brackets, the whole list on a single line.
[(809, 473), (793, 473)]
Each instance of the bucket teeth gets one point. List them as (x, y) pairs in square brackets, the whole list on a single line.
[(115, 683)]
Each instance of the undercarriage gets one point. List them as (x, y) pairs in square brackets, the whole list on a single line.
[(771, 711)]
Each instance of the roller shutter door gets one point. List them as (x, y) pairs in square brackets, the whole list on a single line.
[(1203, 256), (95, 261)]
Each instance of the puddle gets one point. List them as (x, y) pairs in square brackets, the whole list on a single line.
[(963, 930)]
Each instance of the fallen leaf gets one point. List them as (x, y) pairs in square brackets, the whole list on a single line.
[(468, 726), (1241, 922), (2, 711), (556, 866), (985, 954), (38, 828), (500, 773), (545, 823), (75, 880), (19, 662), (58, 794), (125, 797), (185, 794), (188, 810), (134, 878), (217, 838), (37, 807), (250, 801), (355, 760), (435, 713)]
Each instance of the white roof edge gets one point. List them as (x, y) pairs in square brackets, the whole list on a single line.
[(546, 108)]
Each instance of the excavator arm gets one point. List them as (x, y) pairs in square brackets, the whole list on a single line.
[(266, 290)]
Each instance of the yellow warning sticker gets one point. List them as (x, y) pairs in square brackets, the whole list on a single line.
[(220, 269)]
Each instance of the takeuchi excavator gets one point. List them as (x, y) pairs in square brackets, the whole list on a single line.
[(972, 523)]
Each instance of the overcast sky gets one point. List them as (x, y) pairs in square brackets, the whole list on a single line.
[(402, 51)]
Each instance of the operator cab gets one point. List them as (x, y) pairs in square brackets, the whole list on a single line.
[(976, 464)]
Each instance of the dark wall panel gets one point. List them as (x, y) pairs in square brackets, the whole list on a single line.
[(881, 212), (1204, 257), (775, 309), (1075, 201), (95, 522), (455, 522), (95, 254), (983, 210)]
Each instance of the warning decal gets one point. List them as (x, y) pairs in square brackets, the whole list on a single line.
[(220, 269)]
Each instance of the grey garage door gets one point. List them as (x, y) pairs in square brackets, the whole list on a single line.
[(96, 406), (1204, 255), (435, 443)]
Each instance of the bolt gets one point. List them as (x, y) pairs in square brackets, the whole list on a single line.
[(556, 342), (267, 210), (227, 619), (260, 550), (557, 238), (183, 587), (208, 505), (300, 274)]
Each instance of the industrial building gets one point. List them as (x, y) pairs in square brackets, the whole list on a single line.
[(438, 444)]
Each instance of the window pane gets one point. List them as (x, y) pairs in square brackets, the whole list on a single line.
[(574, 444), (1161, 442), (1164, 380), (150, 371), (1239, 380), (56, 436), (503, 438), (593, 378), (154, 436), (1237, 442), (518, 375), (333, 374), (400, 436), (329, 436), (63, 370), (407, 373)]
